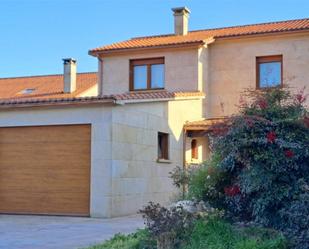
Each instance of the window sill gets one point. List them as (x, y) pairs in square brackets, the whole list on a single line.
[(195, 162), (159, 160), (269, 87), (148, 90)]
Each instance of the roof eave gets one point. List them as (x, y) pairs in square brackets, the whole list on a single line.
[(186, 45), (52, 103), (262, 34), (176, 98)]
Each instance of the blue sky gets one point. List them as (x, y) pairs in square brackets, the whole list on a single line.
[(37, 34)]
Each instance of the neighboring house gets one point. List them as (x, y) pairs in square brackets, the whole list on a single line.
[(65, 152)]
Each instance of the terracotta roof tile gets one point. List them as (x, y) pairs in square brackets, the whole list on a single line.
[(204, 124), (200, 36), (148, 96), (45, 86), (156, 95)]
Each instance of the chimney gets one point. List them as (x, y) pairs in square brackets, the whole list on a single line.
[(69, 75), (181, 20)]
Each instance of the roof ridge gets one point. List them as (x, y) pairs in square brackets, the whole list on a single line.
[(151, 36), (252, 24), (225, 27), (43, 75)]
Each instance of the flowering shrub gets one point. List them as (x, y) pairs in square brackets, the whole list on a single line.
[(265, 155), (232, 190), (207, 182)]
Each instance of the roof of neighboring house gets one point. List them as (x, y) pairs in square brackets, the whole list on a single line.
[(200, 36), (43, 87), (117, 98)]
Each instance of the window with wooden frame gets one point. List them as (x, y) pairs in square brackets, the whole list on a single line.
[(268, 71), (147, 74), (163, 145), (194, 149)]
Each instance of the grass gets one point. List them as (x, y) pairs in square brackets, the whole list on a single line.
[(213, 234), (138, 240), (217, 234)]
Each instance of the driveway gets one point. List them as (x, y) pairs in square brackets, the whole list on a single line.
[(51, 232)]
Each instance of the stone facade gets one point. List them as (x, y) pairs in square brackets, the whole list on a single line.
[(125, 174), (181, 71), (222, 69), (137, 176), (232, 68)]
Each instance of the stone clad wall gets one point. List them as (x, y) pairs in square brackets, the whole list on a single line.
[(137, 177), (181, 71), (125, 173), (232, 68)]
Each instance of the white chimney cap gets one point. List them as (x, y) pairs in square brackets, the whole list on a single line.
[(68, 60), (181, 10)]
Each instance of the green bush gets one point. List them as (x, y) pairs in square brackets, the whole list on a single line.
[(206, 182), (296, 225), (217, 234), (138, 240), (211, 234)]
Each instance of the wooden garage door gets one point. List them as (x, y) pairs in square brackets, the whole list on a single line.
[(45, 170)]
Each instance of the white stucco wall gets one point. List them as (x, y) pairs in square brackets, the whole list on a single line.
[(181, 70)]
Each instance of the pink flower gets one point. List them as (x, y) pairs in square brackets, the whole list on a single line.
[(242, 102), (301, 97), (271, 136), (262, 103), (232, 190), (288, 153), (249, 122)]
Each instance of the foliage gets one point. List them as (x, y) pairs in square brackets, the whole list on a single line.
[(212, 233), (217, 234), (296, 225), (138, 240), (180, 176), (258, 173), (265, 156), (171, 222), (206, 182)]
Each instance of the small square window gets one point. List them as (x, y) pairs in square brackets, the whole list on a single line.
[(147, 74), (269, 71), (163, 146)]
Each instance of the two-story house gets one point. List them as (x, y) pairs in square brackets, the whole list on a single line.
[(104, 145)]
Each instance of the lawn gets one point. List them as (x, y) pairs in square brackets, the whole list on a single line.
[(213, 234)]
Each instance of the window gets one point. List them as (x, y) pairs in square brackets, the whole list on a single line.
[(163, 146), (269, 71), (147, 74), (194, 149)]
